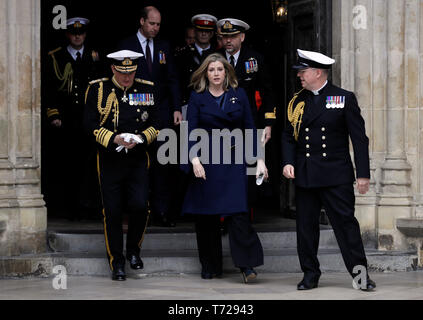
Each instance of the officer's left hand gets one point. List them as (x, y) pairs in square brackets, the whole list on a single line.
[(267, 134), (363, 185), (177, 117)]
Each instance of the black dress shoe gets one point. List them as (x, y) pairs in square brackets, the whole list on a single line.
[(206, 275), (370, 285), (306, 285), (164, 221), (135, 261), (248, 274), (119, 274)]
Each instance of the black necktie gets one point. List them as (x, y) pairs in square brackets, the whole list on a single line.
[(78, 56), (148, 57), (232, 62)]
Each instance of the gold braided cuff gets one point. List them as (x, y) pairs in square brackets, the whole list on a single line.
[(102, 136), (52, 112), (150, 134), (270, 115)]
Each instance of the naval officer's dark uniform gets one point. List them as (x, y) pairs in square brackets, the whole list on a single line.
[(111, 110), (67, 80), (318, 148)]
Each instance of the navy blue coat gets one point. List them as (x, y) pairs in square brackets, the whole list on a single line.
[(321, 156), (225, 189), (164, 75)]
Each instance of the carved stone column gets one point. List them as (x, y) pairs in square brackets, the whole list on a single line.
[(23, 217), (396, 195)]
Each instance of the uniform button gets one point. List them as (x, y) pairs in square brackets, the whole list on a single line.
[(307, 155), (307, 129), (135, 90), (76, 101), (323, 129), (76, 94), (307, 138), (324, 154), (307, 146), (136, 131), (138, 120), (323, 137), (76, 87), (138, 110), (323, 146)]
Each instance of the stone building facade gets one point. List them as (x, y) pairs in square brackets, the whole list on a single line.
[(378, 45)]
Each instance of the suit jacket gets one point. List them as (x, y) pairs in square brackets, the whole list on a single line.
[(253, 75), (65, 98), (188, 60), (321, 155), (225, 189), (164, 76)]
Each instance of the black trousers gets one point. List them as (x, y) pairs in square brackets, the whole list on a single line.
[(160, 183), (124, 189), (338, 202), (245, 245)]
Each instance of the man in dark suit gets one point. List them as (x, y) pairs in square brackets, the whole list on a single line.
[(254, 77), (157, 65), (316, 154), (72, 183)]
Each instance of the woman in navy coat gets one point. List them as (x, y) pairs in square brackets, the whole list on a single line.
[(219, 188)]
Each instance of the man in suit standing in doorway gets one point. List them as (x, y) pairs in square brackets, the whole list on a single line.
[(157, 66)]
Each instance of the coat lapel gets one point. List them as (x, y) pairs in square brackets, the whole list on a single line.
[(314, 110)]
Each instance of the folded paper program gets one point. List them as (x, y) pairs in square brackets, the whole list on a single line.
[(130, 138)]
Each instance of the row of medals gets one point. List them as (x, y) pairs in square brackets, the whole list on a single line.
[(141, 99)]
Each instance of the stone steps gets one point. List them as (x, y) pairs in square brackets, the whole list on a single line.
[(186, 261)]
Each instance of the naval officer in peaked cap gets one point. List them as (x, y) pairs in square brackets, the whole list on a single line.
[(71, 181), (253, 76), (315, 151), (120, 115)]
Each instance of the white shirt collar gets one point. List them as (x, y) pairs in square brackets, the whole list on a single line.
[(73, 51), (316, 92), (199, 49), (143, 43), (236, 56)]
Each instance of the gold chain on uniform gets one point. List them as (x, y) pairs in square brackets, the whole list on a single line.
[(66, 77), (295, 116)]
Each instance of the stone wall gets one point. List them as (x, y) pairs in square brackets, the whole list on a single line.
[(379, 55), (23, 218)]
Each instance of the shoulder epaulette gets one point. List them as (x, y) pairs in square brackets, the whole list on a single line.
[(54, 51), (150, 83), (98, 80)]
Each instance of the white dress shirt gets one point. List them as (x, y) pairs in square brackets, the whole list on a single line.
[(236, 56), (143, 42), (73, 51)]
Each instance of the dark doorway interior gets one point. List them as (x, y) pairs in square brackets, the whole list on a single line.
[(111, 22)]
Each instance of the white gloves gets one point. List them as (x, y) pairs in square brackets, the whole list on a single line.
[(130, 138)]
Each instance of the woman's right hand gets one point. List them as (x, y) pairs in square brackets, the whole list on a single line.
[(198, 168)]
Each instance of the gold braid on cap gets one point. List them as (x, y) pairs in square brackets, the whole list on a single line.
[(295, 116), (66, 76)]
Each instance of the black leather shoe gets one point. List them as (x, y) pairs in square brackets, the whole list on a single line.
[(119, 274), (306, 285), (206, 275), (370, 285), (164, 221), (135, 261), (248, 274)]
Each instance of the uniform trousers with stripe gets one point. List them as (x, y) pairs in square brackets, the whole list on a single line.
[(245, 245), (338, 202), (124, 187)]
